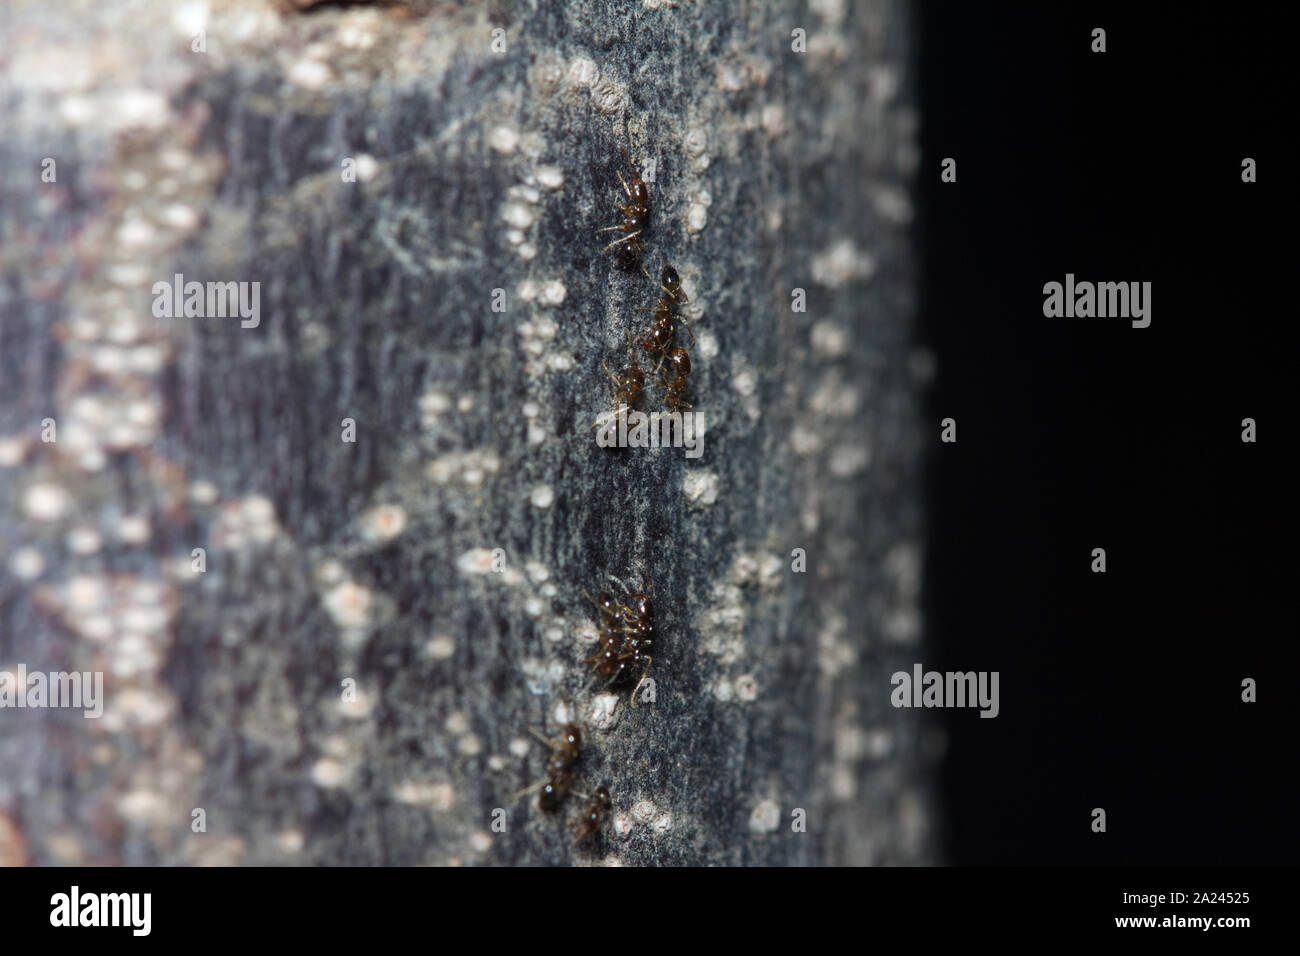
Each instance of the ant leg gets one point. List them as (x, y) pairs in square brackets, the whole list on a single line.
[(614, 678), (594, 602), (604, 421), (640, 337), (689, 332), (546, 740), (626, 238), (527, 790), (609, 228), (675, 404), (621, 180)]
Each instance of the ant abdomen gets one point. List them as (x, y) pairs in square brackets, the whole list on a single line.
[(680, 362)]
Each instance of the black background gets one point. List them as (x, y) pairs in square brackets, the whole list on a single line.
[(1118, 690)]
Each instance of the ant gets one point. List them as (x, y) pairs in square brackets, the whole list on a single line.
[(626, 635), (675, 388), (638, 633), (636, 218), (658, 338), (605, 661), (588, 825), (564, 754), (627, 387)]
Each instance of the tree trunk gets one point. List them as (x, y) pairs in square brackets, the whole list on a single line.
[(348, 672)]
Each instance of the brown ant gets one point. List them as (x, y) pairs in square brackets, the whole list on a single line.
[(564, 754), (658, 338), (588, 825), (626, 635), (675, 388), (605, 661), (627, 387), (638, 634), (636, 219)]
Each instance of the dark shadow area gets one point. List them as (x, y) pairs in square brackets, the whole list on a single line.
[(1119, 690)]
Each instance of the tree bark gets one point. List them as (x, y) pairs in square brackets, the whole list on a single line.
[(351, 676)]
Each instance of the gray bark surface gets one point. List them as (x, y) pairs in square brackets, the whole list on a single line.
[(329, 561)]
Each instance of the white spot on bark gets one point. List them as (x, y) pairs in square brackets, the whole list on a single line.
[(697, 217), (842, 263), (27, 564), (84, 540), (309, 74), (384, 522), (700, 487), (550, 177), (330, 774), (847, 460), (604, 711), (582, 72), (746, 687), (553, 293), (765, 818), (519, 215), (440, 648), (475, 561), (829, 339), (503, 139), (46, 502), (542, 497)]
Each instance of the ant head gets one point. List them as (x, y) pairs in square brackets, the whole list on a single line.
[(642, 605), (572, 735), (602, 797), (681, 361)]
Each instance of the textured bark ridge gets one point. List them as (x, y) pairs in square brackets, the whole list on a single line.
[(352, 675)]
